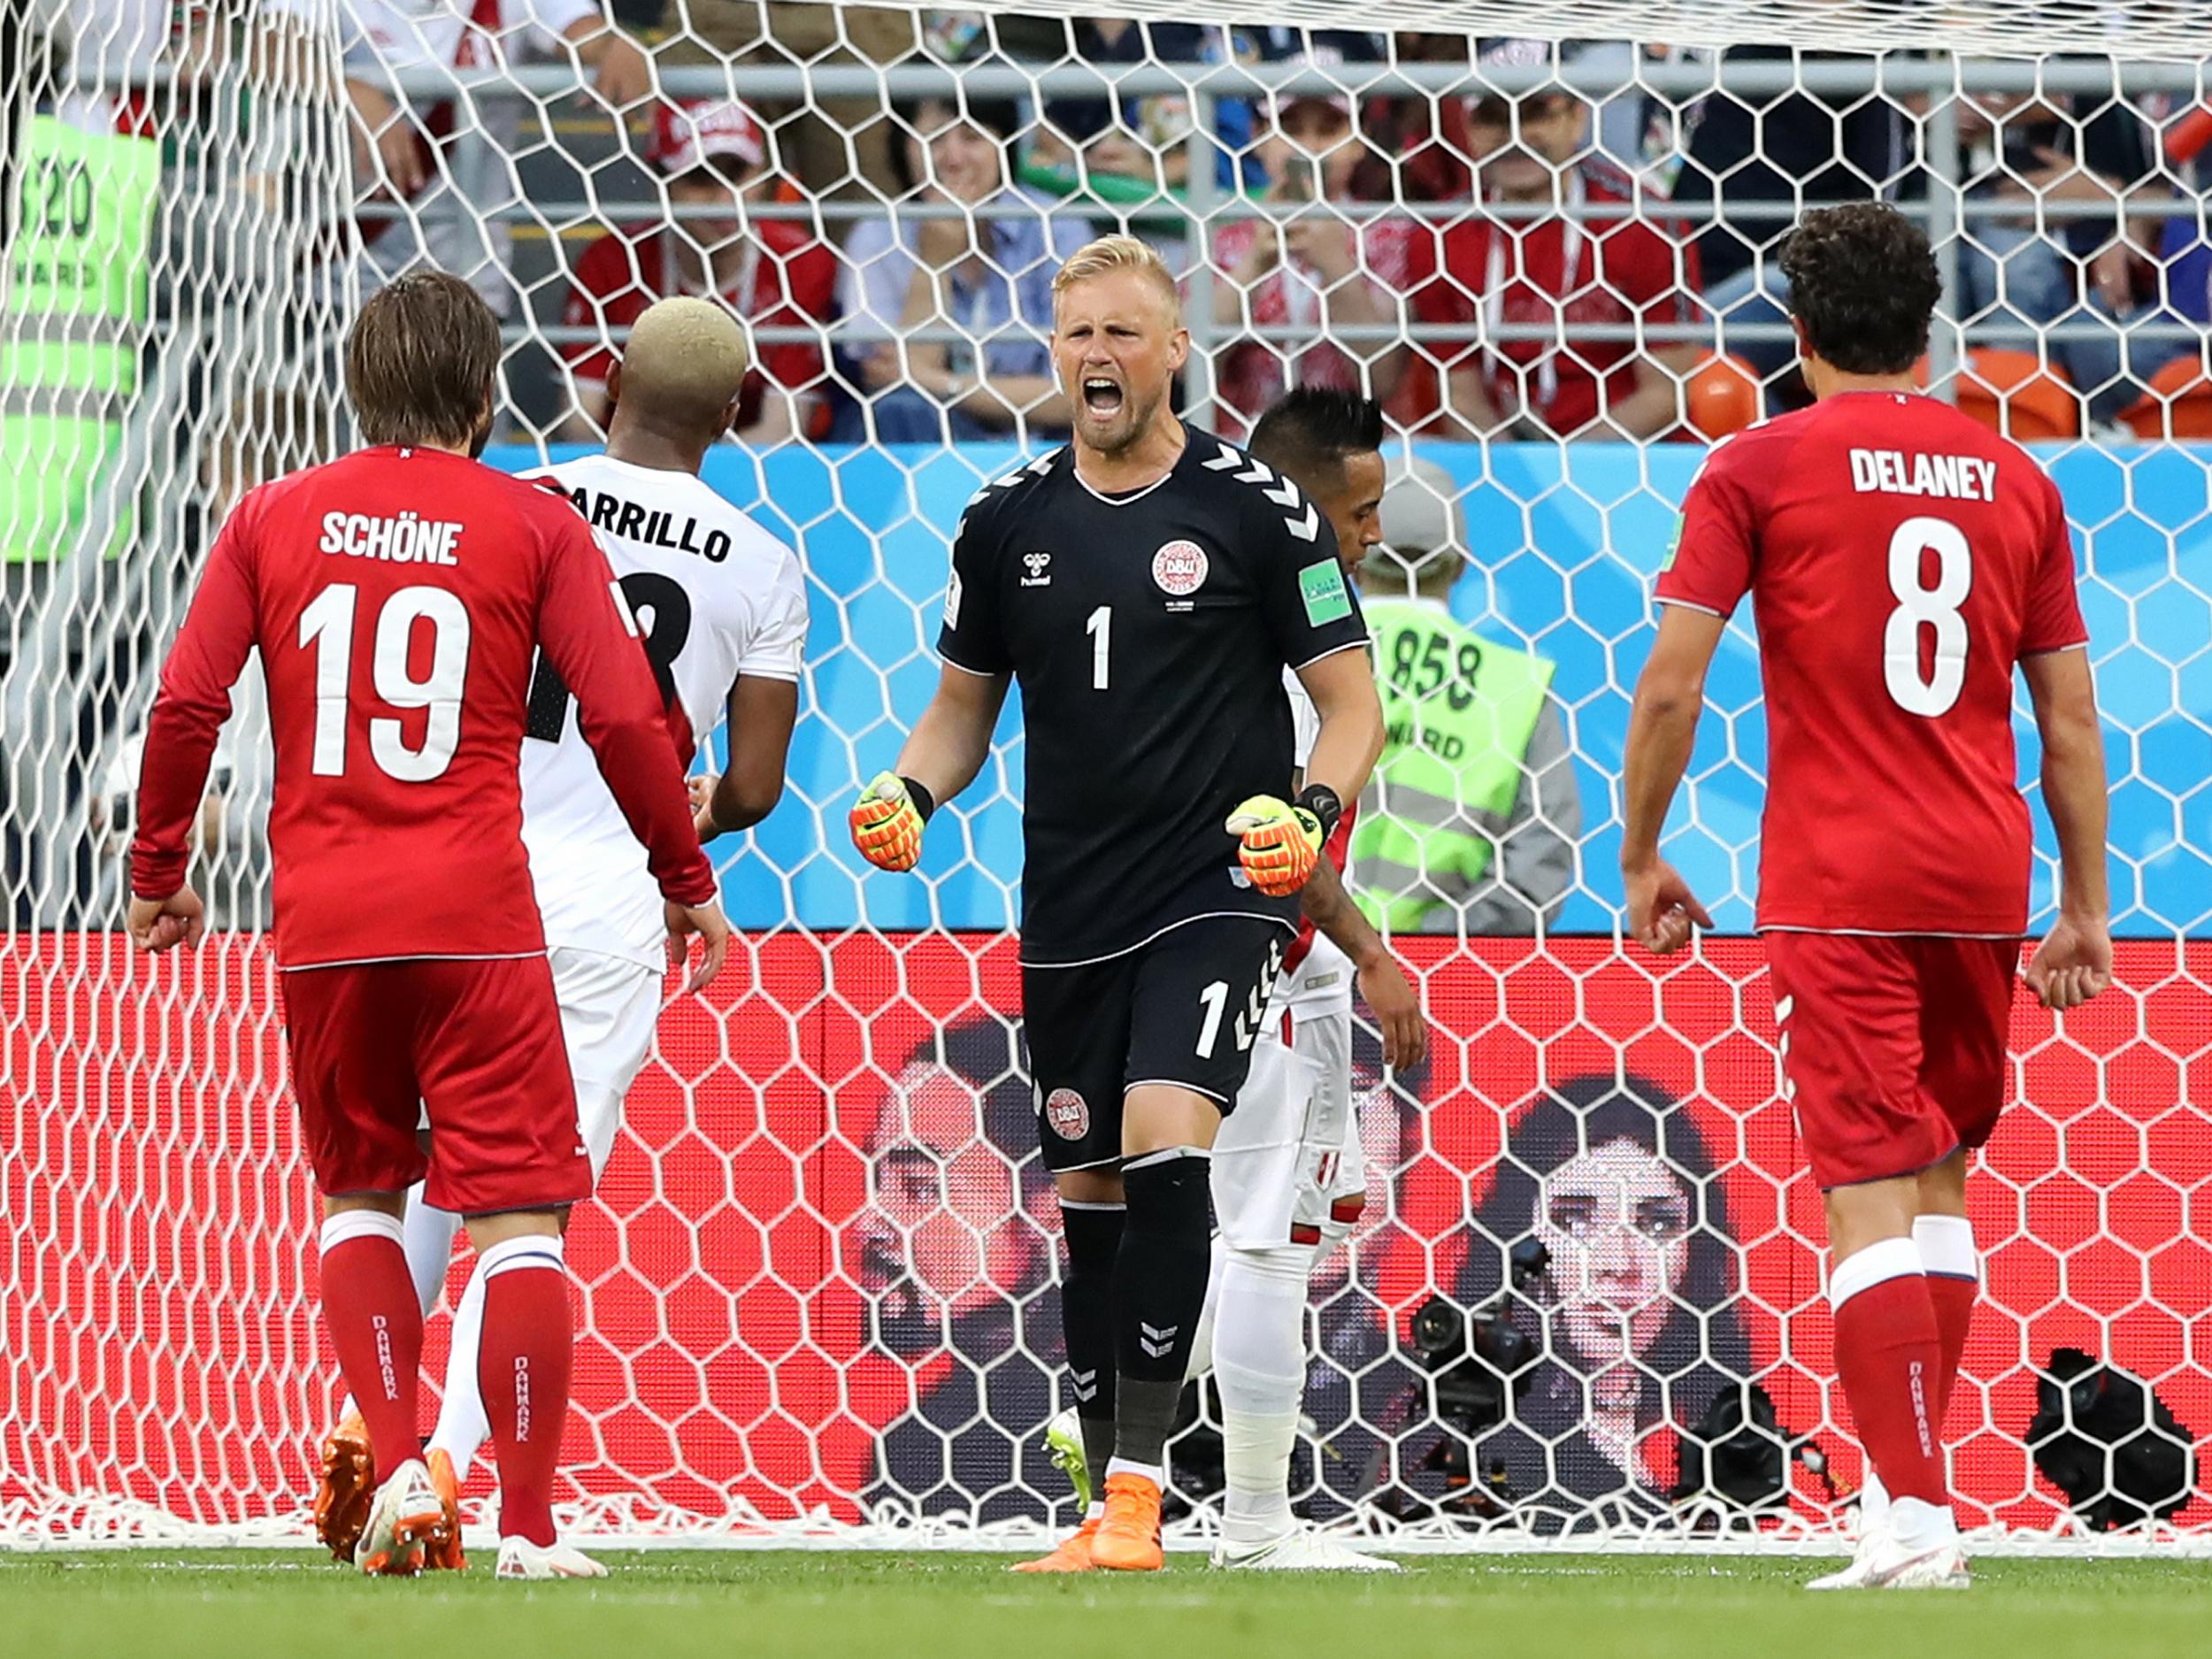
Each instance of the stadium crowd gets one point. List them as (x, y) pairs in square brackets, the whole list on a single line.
[(1545, 249)]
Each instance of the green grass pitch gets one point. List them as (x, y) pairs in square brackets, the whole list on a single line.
[(760, 1605)]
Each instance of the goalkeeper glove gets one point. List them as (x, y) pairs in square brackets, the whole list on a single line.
[(887, 821), (1280, 842)]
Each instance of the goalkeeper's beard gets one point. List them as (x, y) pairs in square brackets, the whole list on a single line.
[(1116, 434)]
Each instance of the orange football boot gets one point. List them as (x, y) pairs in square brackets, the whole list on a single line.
[(1071, 1554), (443, 1553), (1128, 1538), (346, 1488)]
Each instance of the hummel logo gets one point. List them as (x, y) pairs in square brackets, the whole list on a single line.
[(1083, 1384), (1155, 1342), (1040, 568)]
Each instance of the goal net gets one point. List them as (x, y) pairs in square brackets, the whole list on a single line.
[(816, 1289)]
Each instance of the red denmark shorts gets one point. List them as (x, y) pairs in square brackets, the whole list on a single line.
[(1892, 1048), (476, 1043)]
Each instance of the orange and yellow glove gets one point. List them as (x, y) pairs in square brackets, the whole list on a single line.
[(1278, 843), (887, 821)]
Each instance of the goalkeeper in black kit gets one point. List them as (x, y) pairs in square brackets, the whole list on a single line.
[(1147, 585)]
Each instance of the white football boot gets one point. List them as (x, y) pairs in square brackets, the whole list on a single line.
[(406, 1517), (1298, 1550), (1885, 1562), (519, 1558)]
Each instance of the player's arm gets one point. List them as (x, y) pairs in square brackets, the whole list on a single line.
[(189, 712), (948, 747), (2074, 962), (763, 706), (1662, 727), (1327, 904), (1314, 620), (762, 713), (1342, 687), (587, 632), (1702, 582), (952, 740), (1280, 842)]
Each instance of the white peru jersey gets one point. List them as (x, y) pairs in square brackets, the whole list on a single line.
[(715, 597), (1316, 977)]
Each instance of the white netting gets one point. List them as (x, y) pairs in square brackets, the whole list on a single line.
[(817, 1287)]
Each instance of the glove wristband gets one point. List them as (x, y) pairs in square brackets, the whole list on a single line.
[(924, 802), (1322, 801)]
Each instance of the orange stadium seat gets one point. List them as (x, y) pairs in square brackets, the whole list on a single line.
[(2177, 405), (1722, 395), (2017, 395)]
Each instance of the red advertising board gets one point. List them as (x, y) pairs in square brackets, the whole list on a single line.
[(822, 1216)]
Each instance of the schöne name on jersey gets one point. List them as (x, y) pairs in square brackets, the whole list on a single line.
[(405, 539), (651, 526), (1894, 472)]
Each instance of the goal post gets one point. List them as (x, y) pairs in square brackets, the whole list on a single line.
[(816, 1290)]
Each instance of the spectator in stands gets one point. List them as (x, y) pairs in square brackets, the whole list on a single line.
[(447, 167), (1754, 162), (1307, 270), (1560, 271), (2095, 277), (1470, 823), (1128, 154), (834, 147), (774, 273), (956, 1254), (1429, 132), (990, 277), (1759, 160)]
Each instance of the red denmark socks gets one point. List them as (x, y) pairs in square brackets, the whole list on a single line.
[(523, 1369), (1889, 1355), (375, 1324), (1953, 1271)]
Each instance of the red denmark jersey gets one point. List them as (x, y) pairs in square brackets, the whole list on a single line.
[(397, 598), (1901, 558)]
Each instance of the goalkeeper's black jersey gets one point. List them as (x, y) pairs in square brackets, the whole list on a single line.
[(1149, 634)]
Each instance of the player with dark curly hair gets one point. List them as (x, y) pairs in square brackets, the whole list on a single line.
[(1902, 560)]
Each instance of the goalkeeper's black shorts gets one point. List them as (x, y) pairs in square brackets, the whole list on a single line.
[(1184, 1008)]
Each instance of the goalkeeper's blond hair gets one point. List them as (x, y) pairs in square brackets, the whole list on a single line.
[(1110, 254)]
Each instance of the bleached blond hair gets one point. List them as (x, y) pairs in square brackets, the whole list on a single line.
[(1110, 253), (686, 359)]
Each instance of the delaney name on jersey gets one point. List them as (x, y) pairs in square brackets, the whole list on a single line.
[(652, 526), (1894, 472)]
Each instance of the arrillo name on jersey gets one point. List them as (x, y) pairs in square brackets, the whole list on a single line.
[(715, 597), (1317, 976)]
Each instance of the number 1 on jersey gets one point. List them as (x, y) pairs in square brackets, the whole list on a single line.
[(1101, 628)]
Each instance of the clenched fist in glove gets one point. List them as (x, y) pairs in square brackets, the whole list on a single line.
[(1279, 841), (887, 821)]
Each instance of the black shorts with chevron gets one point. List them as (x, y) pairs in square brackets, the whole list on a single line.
[(1183, 1009)]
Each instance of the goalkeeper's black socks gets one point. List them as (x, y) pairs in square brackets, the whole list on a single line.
[(1087, 1323), (1159, 1292)]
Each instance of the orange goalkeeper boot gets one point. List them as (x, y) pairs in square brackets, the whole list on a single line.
[(443, 1553), (1128, 1538), (1071, 1554), (346, 1488)]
